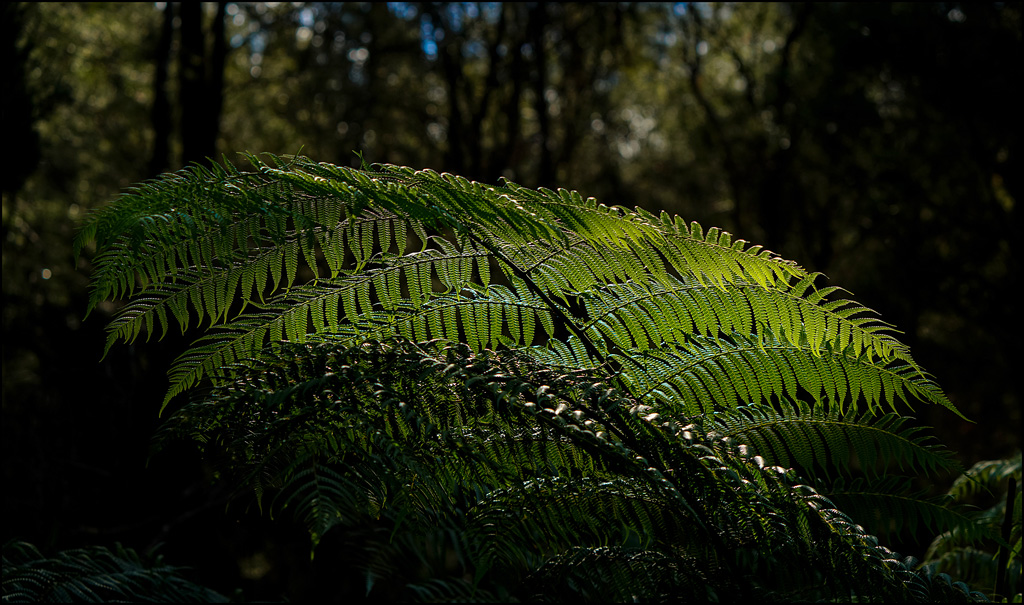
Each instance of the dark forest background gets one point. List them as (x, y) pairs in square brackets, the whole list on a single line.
[(876, 143)]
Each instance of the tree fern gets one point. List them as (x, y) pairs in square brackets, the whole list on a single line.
[(569, 397)]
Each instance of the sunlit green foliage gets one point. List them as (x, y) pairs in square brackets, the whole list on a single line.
[(527, 380)]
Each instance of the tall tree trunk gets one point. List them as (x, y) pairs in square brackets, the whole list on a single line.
[(161, 113), (201, 78), (215, 78), (507, 156), (546, 170), (21, 140), (449, 56)]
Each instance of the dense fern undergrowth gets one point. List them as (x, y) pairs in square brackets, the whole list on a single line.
[(522, 394)]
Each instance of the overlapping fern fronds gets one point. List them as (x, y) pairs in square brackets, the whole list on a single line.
[(298, 248), (95, 575), (527, 378), (542, 484)]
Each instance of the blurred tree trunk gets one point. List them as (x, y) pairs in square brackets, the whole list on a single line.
[(201, 81), (449, 54), (215, 76), (161, 113), (546, 169), (21, 148)]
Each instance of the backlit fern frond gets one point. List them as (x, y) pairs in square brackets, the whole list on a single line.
[(530, 393), (707, 373), (231, 248)]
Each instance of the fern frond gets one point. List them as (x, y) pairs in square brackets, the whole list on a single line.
[(208, 243), (537, 459), (687, 306), (890, 506), (822, 439), (704, 374), (341, 310), (969, 554), (986, 476), (526, 378), (94, 575), (716, 257)]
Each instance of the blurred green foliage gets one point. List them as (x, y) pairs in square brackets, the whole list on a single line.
[(877, 143)]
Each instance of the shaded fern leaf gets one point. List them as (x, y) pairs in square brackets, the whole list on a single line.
[(890, 505), (526, 464), (95, 574), (823, 439), (989, 553)]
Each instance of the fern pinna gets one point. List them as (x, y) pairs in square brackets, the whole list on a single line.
[(545, 384)]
